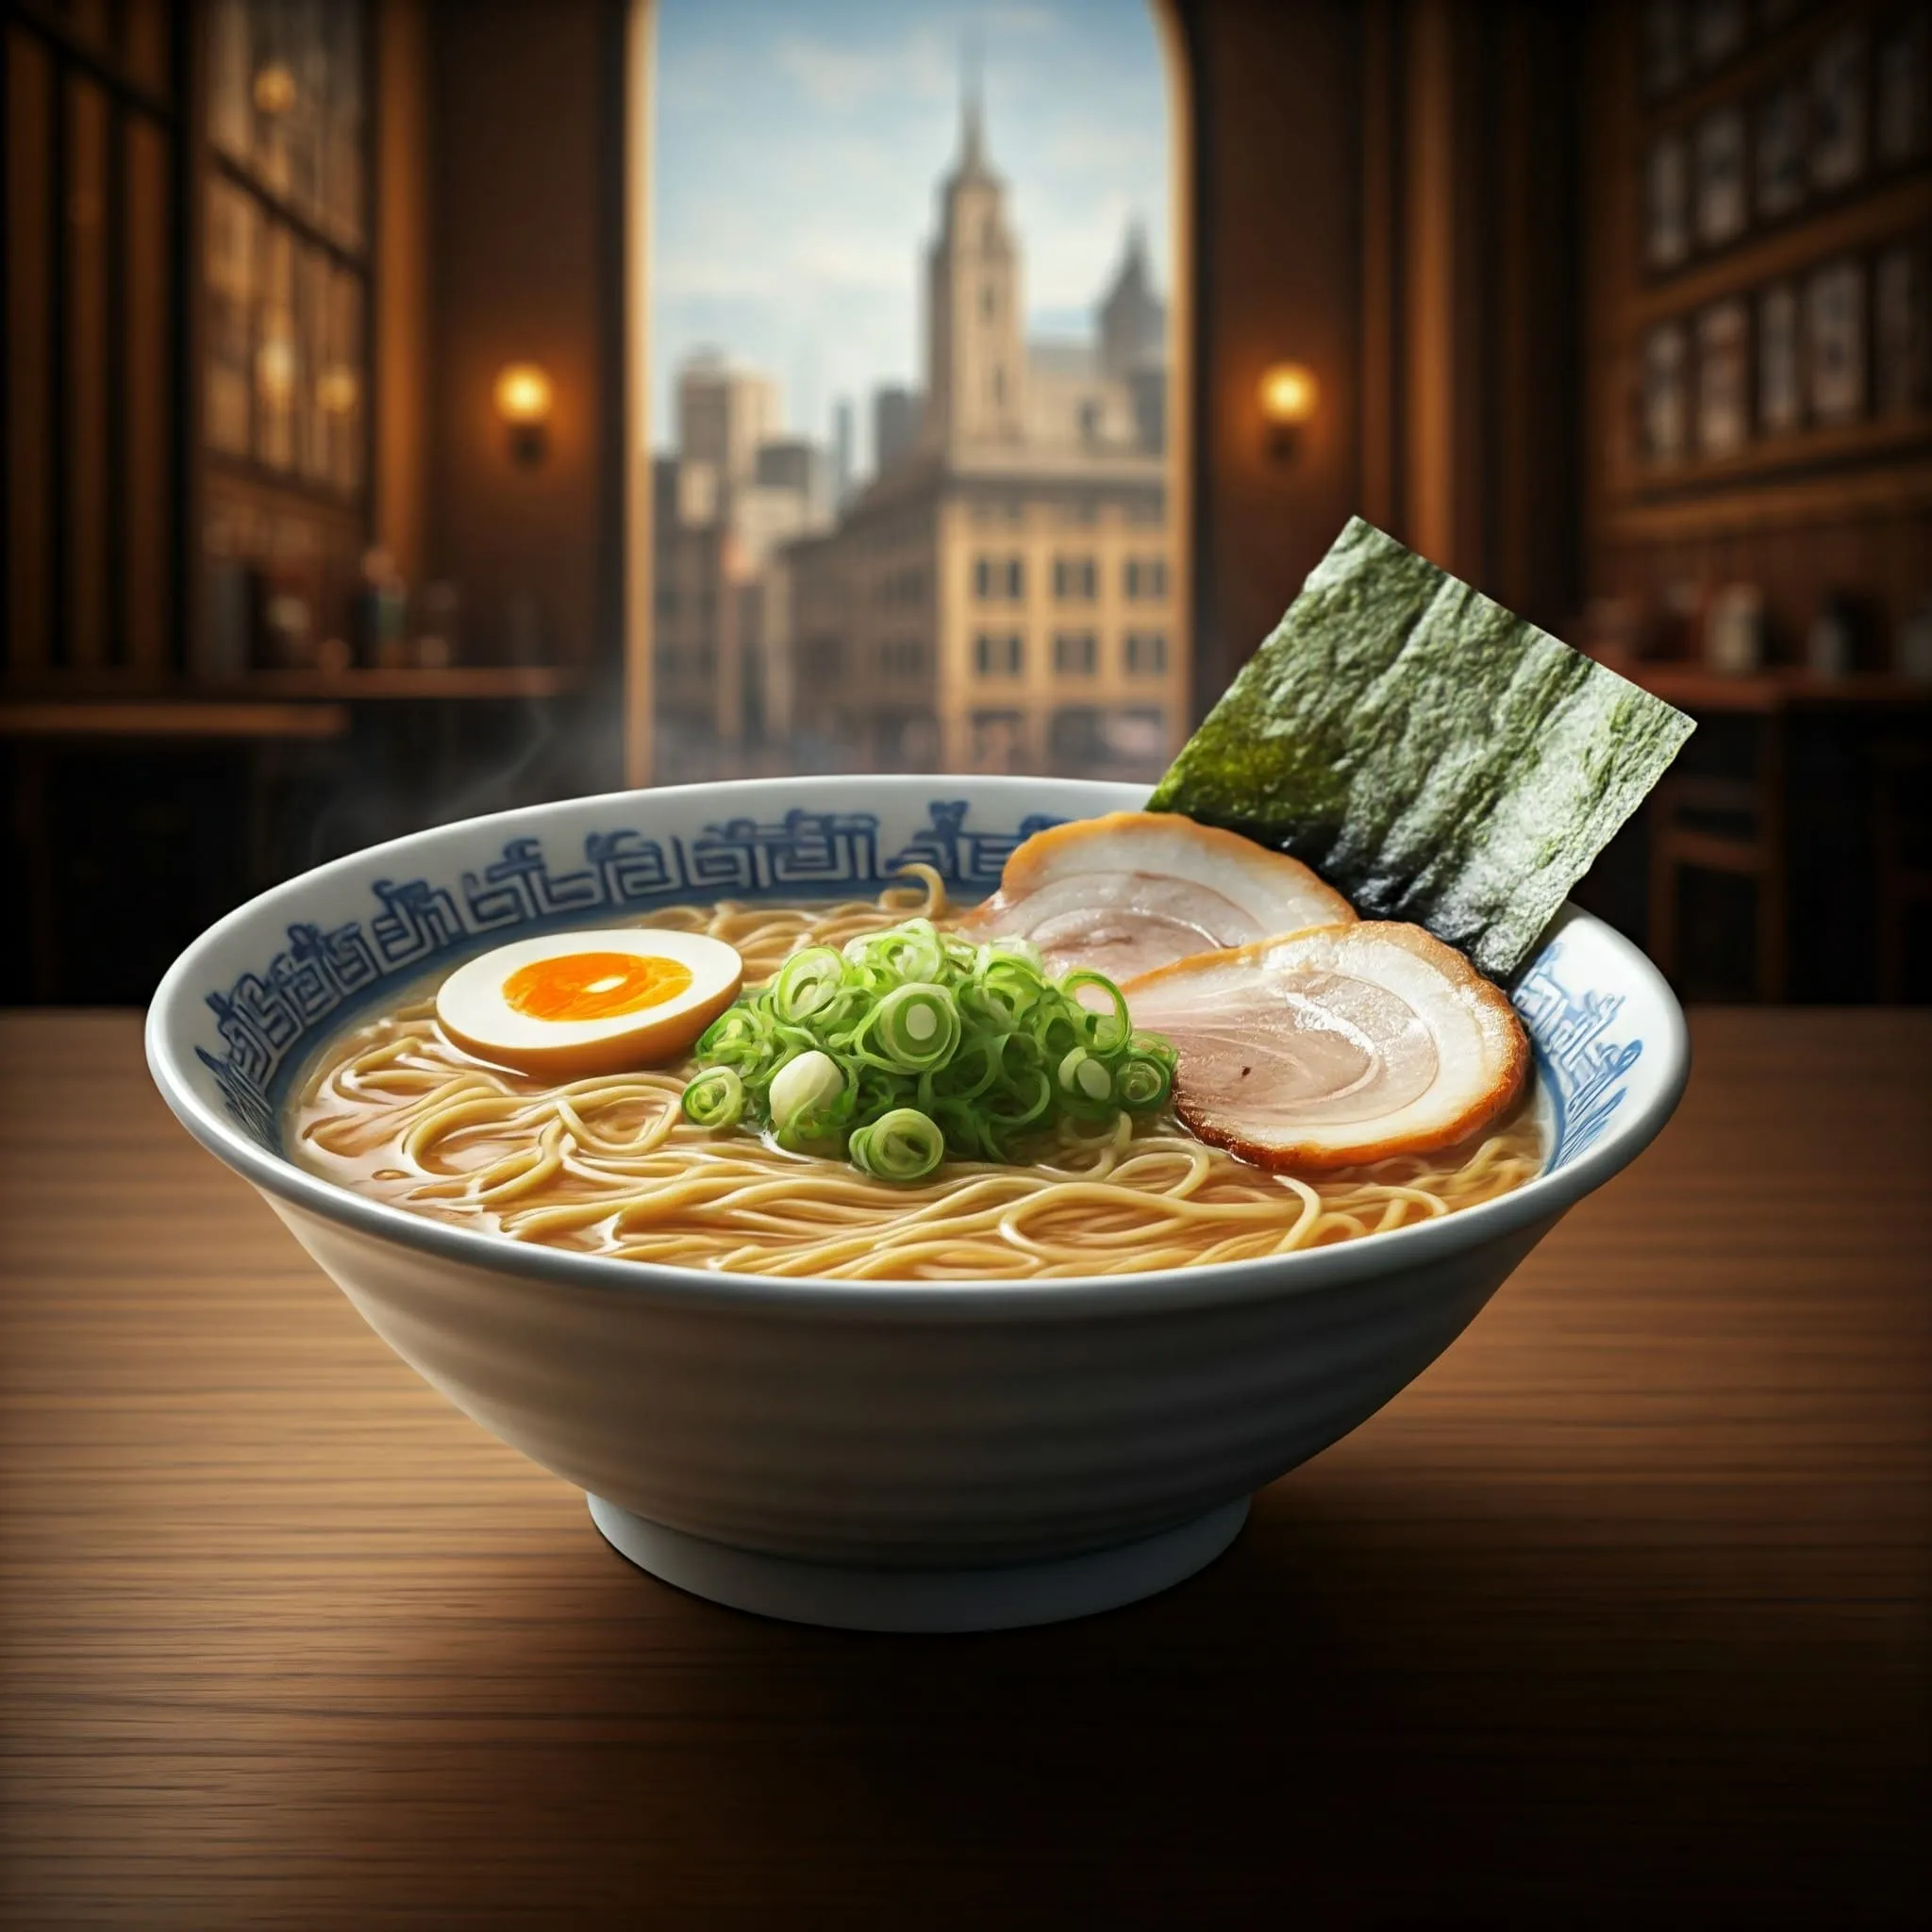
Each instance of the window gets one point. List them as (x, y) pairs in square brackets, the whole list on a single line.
[(1146, 653), (821, 387), (1075, 653), (1146, 578), (823, 656), (1076, 740), (999, 577), (1138, 737), (998, 655), (999, 740), (1074, 576), (287, 278), (902, 656)]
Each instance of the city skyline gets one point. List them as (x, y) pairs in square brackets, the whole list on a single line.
[(807, 270), (1003, 596)]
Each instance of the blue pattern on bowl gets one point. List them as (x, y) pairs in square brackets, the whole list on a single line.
[(268, 1019), (1584, 1074)]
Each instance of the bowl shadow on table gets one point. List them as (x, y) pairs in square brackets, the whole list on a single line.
[(1403, 1697)]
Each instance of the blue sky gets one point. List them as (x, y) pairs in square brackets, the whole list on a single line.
[(797, 153)]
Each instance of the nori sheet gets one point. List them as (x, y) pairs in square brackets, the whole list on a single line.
[(1432, 755)]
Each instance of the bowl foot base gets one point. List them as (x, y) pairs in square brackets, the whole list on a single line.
[(852, 1598)]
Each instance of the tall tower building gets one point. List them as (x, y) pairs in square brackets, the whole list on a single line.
[(723, 413), (1133, 320), (975, 359), (842, 452), (896, 412)]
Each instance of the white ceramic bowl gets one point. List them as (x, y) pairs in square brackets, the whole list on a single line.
[(878, 1455)]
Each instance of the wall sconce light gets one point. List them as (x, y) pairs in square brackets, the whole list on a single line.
[(1289, 394), (274, 90), (522, 400)]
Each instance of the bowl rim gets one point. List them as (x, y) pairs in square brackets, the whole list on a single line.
[(1539, 1199)]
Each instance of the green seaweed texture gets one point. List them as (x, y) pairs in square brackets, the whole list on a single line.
[(1431, 755)]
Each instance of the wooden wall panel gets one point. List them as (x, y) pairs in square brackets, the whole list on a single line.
[(1534, 367), (402, 283), (1471, 291), (29, 350), (86, 402), (145, 483), (525, 169), (1437, 420), (1278, 213)]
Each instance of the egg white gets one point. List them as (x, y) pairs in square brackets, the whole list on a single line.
[(472, 1011)]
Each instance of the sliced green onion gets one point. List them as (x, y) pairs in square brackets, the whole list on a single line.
[(1085, 1078), (914, 1029), (1108, 1030), (808, 982), (907, 1044), (804, 1093), (1144, 1082), (715, 1099), (902, 1145)]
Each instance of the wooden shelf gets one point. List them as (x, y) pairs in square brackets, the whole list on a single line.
[(1805, 449), (296, 491), (1783, 504), (1744, 76), (456, 682), (1782, 689), (170, 718), (1882, 214), (96, 690)]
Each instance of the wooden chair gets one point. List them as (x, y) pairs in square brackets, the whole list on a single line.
[(1682, 840)]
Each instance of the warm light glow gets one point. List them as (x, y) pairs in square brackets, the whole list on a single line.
[(337, 390), (1288, 393), (274, 368), (522, 394), (274, 90)]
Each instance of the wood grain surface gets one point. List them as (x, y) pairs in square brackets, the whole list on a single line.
[(1622, 1609)]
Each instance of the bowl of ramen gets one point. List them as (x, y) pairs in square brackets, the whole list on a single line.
[(897, 1202)]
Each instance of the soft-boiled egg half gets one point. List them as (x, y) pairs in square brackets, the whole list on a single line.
[(577, 1004)]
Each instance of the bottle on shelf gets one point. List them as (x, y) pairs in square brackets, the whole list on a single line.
[(382, 606), (436, 643), (1734, 631)]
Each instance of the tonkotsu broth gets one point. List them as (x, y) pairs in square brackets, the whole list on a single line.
[(611, 1166)]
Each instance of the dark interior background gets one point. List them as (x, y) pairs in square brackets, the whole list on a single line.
[(1436, 204)]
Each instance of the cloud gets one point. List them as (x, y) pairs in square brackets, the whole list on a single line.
[(834, 77), (1017, 18), (839, 77), (854, 262)]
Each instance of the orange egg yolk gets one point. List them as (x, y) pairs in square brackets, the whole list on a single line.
[(594, 986)]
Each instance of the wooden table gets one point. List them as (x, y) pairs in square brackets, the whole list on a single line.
[(1621, 1610)]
